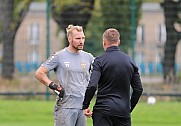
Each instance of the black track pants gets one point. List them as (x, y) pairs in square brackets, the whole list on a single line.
[(100, 119)]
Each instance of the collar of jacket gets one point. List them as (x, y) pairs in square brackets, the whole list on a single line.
[(112, 48)]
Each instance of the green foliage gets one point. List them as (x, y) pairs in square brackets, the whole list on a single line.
[(60, 4), (76, 12), (117, 14), (0, 31), (110, 13), (59, 7), (19, 7), (94, 32)]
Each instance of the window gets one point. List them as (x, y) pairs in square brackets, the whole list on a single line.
[(139, 57), (140, 34), (162, 35), (140, 61), (158, 57), (1, 50), (33, 56), (34, 34)]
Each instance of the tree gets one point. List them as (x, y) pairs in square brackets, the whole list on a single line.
[(76, 12), (117, 14), (94, 32), (12, 13), (0, 32), (171, 11)]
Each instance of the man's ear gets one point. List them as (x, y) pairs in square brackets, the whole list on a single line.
[(104, 42), (118, 42)]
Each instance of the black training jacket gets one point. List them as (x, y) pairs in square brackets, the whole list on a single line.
[(113, 74)]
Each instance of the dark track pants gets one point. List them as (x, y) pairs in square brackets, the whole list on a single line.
[(100, 119)]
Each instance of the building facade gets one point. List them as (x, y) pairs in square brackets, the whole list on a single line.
[(31, 39), (150, 40), (31, 46)]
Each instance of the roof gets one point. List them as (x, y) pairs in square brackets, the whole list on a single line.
[(151, 7), (37, 6)]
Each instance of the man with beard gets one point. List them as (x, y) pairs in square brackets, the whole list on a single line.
[(72, 67)]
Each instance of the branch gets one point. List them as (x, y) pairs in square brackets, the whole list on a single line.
[(179, 35), (21, 12)]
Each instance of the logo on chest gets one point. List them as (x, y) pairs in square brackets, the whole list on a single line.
[(83, 65), (67, 64)]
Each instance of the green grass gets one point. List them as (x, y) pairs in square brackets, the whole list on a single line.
[(26, 113), (160, 114), (40, 113)]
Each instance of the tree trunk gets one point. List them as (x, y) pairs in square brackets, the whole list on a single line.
[(6, 16), (8, 55), (170, 11), (10, 26)]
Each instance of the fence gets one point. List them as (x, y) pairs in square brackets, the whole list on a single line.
[(147, 49)]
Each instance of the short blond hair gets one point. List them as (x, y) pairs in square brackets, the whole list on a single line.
[(71, 27), (111, 35)]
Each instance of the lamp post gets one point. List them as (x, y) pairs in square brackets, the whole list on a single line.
[(133, 9), (47, 39)]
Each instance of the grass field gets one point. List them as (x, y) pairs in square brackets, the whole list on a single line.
[(40, 113)]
